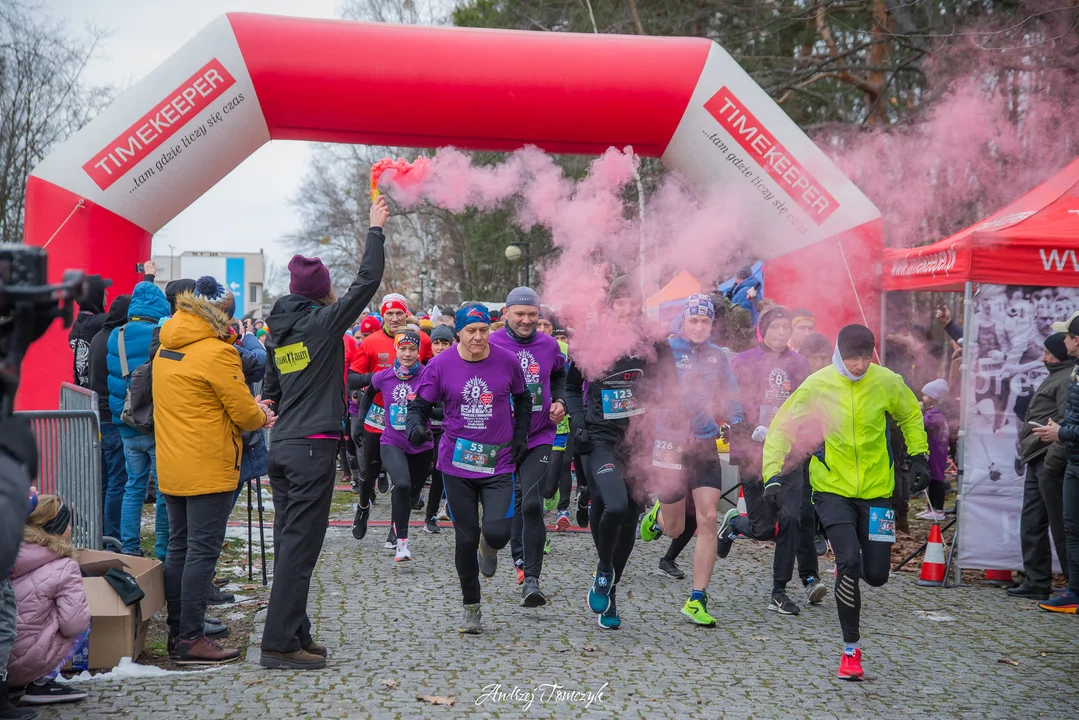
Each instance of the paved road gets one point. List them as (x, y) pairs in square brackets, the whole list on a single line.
[(396, 623)]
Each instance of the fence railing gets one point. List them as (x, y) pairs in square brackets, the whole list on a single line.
[(73, 397), (69, 463)]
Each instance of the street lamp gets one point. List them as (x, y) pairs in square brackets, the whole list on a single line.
[(514, 252)]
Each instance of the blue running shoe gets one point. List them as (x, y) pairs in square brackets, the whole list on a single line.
[(1065, 602), (599, 595), (609, 619)]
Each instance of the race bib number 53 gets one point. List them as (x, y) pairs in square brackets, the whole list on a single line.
[(474, 456)]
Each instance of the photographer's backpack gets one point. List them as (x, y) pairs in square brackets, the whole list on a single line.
[(138, 409)]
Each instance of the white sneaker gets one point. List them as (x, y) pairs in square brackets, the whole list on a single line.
[(443, 513), (403, 553)]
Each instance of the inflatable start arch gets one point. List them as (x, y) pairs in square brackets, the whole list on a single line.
[(246, 79)]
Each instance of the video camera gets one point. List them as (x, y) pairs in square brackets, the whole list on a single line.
[(28, 305)]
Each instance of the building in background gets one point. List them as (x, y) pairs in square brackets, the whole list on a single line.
[(243, 273)]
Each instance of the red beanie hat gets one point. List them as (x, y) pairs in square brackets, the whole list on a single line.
[(370, 324), (308, 277)]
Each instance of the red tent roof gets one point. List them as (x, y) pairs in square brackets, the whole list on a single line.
[(1032, 241)]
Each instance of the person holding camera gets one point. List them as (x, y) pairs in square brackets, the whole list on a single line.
[(202, 407)]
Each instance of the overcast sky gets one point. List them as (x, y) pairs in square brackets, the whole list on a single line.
[(248, 210)]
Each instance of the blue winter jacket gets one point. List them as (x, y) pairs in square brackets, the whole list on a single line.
[(148, 306), (708, 387), (255, 454), (740, 296)]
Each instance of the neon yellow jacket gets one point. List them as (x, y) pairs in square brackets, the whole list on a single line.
[(855, 461)]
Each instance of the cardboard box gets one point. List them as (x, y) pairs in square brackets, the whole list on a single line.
[(116, 630)]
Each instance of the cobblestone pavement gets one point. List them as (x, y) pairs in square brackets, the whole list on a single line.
[(391, 631)]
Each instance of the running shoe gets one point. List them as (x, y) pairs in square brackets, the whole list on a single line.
[(609, 618), (599, 594), (403, 553), (359, 523), (383, 482), (547, 545), (582, 509), (671, 570), (520, 574), (49, 693), (531, 595), (488, 558), (725, 536), (650, 529), (780, 603), (551, 504), (820, 544), (850, 666), (391, 540), (356, 485), (815, 591), (1065, 602), (933, 515), (472, 622), (443, 513), (431, 525), (562, 524), (697, 611), (418, 503)]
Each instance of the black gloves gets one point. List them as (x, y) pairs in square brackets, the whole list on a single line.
[(519, 448), (419, 435), (919, 474), (582, 442), (773, 492)]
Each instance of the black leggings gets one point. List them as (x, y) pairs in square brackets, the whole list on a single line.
[(529, 532), (846, 520), (434, 495), (463, 496), (559, 479), (407, 472), (613, 514), (370, 443), (346, 456), (680, 542)]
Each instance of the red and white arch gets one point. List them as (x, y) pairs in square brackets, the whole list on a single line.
[(247, 79)]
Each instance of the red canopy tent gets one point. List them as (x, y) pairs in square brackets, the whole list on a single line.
[(1032, 241), (1020, 258)]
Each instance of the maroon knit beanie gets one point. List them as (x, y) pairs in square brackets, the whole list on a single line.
[(309, 277)]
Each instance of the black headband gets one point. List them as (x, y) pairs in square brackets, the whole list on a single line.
[(58, 524)]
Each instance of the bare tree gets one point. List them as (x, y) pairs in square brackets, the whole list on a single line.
[(43, 99)]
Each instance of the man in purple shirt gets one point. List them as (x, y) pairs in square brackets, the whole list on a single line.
[(767, 375), (484, 437), (544, 368)]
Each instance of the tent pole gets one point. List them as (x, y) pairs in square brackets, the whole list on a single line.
[(964, 402)]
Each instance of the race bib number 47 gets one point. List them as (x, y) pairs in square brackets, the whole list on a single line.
[(882, 524)]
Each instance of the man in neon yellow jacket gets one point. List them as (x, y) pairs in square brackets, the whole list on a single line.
[(852, 473)]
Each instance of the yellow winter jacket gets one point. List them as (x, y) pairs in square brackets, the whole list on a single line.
[(201, 403), (855, 461)]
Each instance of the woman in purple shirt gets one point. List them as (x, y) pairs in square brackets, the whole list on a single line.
[(407, 464), (484, 437)]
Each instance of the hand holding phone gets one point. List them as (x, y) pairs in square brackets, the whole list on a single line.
[(1034, 423)]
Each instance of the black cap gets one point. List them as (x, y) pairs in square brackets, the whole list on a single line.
[(1055, 344)]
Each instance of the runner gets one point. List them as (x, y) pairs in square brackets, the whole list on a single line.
[(767, 375), (485, 438), (613, 398), (407, 464), (377, 352), (707, 389), (803, 324), (544, 369), (441, 339), (852, 475), (560, 473)]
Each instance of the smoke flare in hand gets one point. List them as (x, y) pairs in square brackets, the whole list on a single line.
[(403, 174)]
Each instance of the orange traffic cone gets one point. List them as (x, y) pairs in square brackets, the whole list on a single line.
[(932, 574), (742, 503), (1003, 578)]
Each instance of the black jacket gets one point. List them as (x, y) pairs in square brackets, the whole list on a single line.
[(86, 325), (635, 374), (99, 355), (1069, 426), (1050, 401), (305, 363)]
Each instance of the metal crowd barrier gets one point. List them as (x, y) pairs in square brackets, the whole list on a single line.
[(69, 460)]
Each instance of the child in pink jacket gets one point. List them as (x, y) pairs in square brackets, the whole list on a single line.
[(53, 615)]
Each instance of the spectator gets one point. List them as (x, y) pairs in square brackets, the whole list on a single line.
[(746, 291), (53, 614), (305, 380), (113, 463), (446, 320), (944, 317), (148, 306), (1043, 488), (14, 489), (803, 324), (201, 409), (818, 350), (87, 323), (936, 429)]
